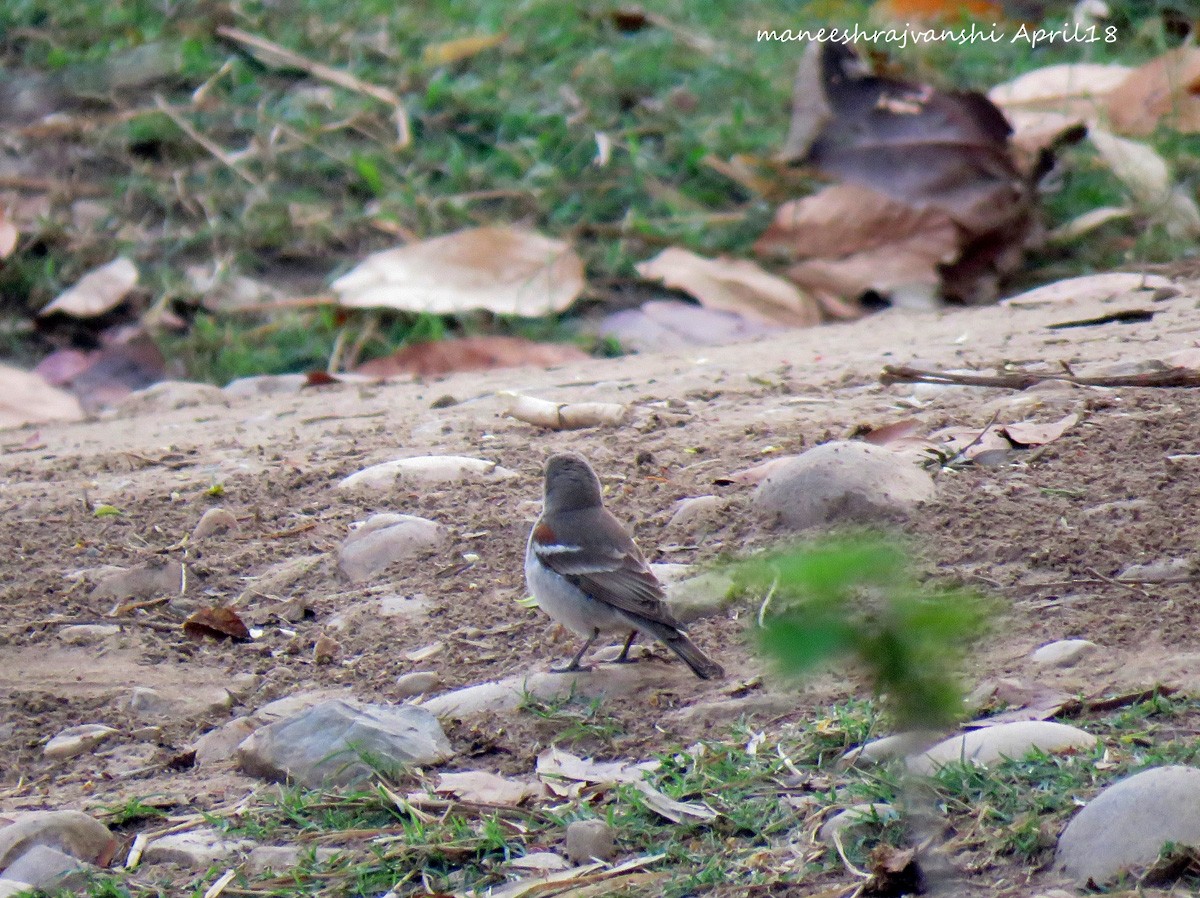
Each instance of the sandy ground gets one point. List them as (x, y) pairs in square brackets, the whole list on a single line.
[(1046, 531)]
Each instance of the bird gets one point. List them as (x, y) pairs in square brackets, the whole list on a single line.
[(587, 573)]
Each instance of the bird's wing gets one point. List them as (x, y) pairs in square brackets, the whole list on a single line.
[(607, 565)]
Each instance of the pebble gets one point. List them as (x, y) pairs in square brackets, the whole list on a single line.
[(77, 740), (1063, 652), (385, 539), (841, 481), (1158, 571), (145, 581), (221, 743), (72, 832), (589, 840), (48, 869), (704, 595), (276, 582), (320, 746), (1005, 740), (213, 521), (1127, 824), (151, 704), (698, 514), (416, 683), (196, 849), (278, 858), (424, 471), (88, 634), (265, 385), (857, 815)]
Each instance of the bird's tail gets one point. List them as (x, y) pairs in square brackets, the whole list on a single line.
[(702, 666)]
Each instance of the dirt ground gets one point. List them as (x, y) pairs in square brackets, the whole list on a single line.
[(1047, 531)]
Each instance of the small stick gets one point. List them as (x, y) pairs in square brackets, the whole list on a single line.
[(325, 73), (1020, 380), (216, 151)]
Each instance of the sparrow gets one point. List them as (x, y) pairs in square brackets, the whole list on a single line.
[(587, 573)]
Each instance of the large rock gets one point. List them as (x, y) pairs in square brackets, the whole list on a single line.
[(841, 481), (196, 849), (1128, 823), (1005, 740), (384, 539), (326, 744), (71, 832)]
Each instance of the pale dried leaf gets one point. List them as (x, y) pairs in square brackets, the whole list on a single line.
[(504, 270), (540, 860), (1147, 177), (479, 353), (456, 50), (1164, 90), (675, 811), (27, 399), (1089, 221), (733, 285), (487, 788), (1053, 98), (1035, 433), (97, 292), (970, 441), (554, 763), (663, 324)]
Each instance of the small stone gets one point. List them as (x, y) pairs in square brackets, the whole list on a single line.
[(425, 471), (196, 849), (12, 888), (221, 744), (589, 840), (1158, 571), (1063, 652), (169, 395), (697, 514), (215, 520), (71, 832), (147, 734), (1127, 824), (47, 869), (77, 740), (265, 385), (385, 539), (146, 581), (702, 596), (152, 704), (858, 815), (324, 745), (545, 861), (242, 685), (1005, 740), (415, 683), (841, 481), (278, 858), (88, 634), (325, 650)]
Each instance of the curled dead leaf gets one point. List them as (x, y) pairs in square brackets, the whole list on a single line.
[(1035, 433), (218, 622), (97, 292)]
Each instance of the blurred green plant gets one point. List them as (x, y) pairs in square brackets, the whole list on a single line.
[(857, 596)]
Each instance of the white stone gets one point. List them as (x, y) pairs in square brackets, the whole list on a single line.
[(77, 740), (424, 471), (898, 745), (385, 539), (1158, 571), (696, 514), (88, 634), (71, 832), (589, 840), (415, 683), (196, 849), (48, 869), (841, 481), (857, 815), (265, 385), (213, 521), (1006, 740), (1127, 824), (701, 596), (1063, 652)]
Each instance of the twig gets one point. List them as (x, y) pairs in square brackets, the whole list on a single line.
[(1020, 380), (214, 150), (975, 442), (334, 76), (850, 868), (766, 602)]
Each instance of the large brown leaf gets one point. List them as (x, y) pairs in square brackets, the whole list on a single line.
[(1165, 90)]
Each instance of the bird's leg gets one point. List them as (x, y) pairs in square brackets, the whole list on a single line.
[(624, 658), (575, 665)]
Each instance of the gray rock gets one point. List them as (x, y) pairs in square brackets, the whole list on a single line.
[(702, 596), (324, 745), (424, 471), (215, 520), (415, 683), (385, 539), (146, 581), (1063, 652), (77, 740), (898, 745), (278, 858), (169, 395), (589, 840), (71, 832), (152, 704), (43, 867), (1006, 740), (88, 634), (699, 514), (196, 849), (841, 481), (1158, 571), (265, 385), (857, 815), (1128, 823), (221, 744)]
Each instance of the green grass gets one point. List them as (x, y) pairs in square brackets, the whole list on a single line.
[(506, 135)]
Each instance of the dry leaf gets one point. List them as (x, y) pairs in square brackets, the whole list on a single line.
[(27, 399), (435, 357), (97, 292), (675, 811), (1058, 96), (897, 431), (1147, 177), (556, 764), (448, 52), (1165, 90), (216, 621), (733, 285), (8, 234), (488, 788), (970, 442), (663, 324), (504, 270), (1033, 433)]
